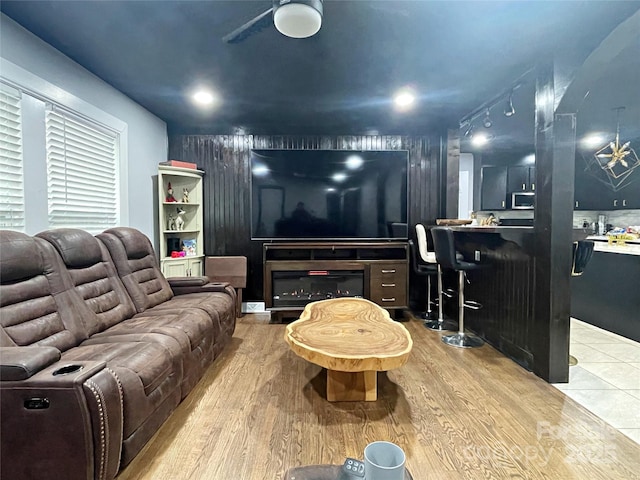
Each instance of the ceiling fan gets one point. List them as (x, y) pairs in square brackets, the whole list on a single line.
[(293, 18)]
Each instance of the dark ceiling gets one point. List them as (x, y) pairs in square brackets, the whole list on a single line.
[(455, 55)]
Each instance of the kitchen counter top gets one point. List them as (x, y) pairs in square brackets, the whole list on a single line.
[(630, 247), (509, 231), (626, 249), (488, 228)]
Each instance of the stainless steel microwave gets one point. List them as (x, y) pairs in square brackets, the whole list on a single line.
[(523, 200)]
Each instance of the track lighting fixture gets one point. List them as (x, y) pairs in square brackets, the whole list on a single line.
[(487, 120), (508, 108), (469, 130), (484, 111)]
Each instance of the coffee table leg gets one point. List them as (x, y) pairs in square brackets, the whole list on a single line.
[(352, 386)]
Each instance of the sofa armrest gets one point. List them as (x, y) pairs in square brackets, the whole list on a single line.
[(187, 281), (197, 286), (20, 363), (65, 421), (231, 269)]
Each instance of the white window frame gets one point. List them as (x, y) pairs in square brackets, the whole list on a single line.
[(39, 90), (12, 199), (82, 173)]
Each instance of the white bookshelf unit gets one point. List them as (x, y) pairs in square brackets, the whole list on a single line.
[(180, 179)]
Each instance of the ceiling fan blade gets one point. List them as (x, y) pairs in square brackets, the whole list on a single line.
[(252, 26)]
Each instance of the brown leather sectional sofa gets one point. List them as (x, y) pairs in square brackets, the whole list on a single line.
[(97, 349)]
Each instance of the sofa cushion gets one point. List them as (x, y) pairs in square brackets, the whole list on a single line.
[(147, 372), (137, 266), (218, 305), (195, 325), (38, 309), (19, 257), (93, 278), (135, 243), (76, 247)]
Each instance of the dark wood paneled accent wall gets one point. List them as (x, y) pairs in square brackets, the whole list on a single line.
[(505, 288), (452, 188), (227, 193)]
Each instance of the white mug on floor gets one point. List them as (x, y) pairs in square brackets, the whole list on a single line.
[(383, 461)]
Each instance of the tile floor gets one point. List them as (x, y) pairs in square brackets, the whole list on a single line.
[(606, 379)]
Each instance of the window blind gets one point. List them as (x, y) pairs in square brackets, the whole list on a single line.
[(82, 174), (11, 174)]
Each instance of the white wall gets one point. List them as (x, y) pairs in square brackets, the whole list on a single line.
[(465, 182), (25, 56)]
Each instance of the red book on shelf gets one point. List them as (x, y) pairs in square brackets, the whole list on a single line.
[(179, 163)]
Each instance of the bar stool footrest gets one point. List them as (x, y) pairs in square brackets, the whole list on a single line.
[(472, 305)]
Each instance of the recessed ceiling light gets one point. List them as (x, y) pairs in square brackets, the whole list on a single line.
[(203, 97), (354, 162), (480, 139), (593, 140), (404, 99), (339, 177), (260, 170)]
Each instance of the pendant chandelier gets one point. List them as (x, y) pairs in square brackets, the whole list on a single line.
[(617, 160)]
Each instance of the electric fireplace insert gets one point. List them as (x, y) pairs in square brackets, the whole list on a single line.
[(297, 288)]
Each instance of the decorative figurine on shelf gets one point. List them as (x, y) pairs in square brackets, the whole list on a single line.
[(170, 197), (180, 219), (171, 223), (185, 195)]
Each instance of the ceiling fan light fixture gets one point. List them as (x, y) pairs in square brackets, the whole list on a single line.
[(297, 18)]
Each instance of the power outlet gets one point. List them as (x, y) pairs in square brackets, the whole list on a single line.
[(476, 255), (253, 307)]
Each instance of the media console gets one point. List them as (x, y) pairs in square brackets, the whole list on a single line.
[(296, 273)]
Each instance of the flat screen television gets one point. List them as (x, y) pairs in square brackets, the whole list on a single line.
[(329, 194)]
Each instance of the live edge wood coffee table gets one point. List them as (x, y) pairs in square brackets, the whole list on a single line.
[(353, 339)]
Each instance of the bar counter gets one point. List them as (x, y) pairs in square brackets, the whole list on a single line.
[(506, 288)]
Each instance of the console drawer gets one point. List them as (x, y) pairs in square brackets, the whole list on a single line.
[(388, 284)]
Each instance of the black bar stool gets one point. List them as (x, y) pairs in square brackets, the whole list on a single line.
[(582, 252), (443, 243), (429, 257), (427, 270)]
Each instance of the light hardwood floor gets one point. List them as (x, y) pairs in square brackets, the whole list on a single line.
[(458, 414)]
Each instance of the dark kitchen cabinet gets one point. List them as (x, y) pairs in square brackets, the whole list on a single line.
[(494, 188), (590, 193), (629, 196), (521, 178), (593, 194)]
